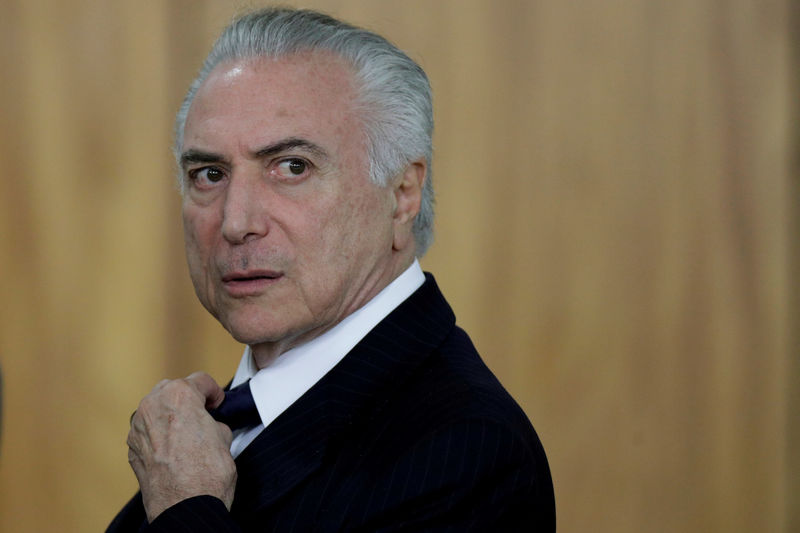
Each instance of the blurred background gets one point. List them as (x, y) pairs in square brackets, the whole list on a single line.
[(617, 218)]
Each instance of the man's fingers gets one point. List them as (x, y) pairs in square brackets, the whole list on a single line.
[(210, 389), (199, 390)]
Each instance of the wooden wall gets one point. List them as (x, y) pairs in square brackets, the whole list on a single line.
[(616, 212)]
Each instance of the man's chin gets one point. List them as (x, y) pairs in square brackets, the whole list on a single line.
[(272, 334), (253, 337), (266, 346), (264, 332)]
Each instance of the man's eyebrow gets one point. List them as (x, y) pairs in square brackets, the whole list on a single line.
[(290, 144), (199, 156), (193, 155)]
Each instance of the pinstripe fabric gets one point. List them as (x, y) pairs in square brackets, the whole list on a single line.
[(409, 432)]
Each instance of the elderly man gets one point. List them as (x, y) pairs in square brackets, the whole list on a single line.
[(304, 147)]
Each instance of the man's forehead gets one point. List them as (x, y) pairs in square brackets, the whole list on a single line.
[(288, 96), (300, 67), (247, 104), (305, 83)]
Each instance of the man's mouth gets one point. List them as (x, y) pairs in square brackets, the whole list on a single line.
[(250, 276), (249, 283)]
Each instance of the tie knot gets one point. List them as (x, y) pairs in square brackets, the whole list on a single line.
[(238, 409)]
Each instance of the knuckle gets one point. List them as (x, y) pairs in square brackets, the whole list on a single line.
[(160, 385), (177, 390), (225, 431), (197, 375), (145, 405)]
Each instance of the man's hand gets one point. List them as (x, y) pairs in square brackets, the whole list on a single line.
[(176, 449)]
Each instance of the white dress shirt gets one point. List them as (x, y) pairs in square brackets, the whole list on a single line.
[(291, 374)]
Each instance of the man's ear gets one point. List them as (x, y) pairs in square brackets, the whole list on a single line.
[(407, 199)]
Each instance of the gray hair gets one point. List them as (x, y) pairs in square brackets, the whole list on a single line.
[(393, 91)]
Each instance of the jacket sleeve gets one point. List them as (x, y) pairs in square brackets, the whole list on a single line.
[(198, 514), (194, 515)]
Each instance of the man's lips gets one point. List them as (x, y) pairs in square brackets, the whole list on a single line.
[(250, 282), (250, 275)]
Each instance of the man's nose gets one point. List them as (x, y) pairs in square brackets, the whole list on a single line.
[(244, 213)]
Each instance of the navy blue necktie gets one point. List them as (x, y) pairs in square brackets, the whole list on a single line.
[(238, 409)]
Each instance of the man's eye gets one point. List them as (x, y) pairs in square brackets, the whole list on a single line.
[(290, 168), (205, 176)]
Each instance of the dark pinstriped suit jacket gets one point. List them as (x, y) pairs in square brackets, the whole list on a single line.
[(409, 432)]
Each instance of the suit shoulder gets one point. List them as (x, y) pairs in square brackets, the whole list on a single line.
[(459, 383), (454, 389), (454, 447)]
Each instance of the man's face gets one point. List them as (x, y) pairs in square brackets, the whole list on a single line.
[(285, 233)]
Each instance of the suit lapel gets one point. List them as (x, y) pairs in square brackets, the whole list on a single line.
[(300, 440)]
